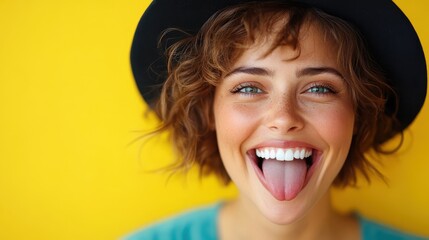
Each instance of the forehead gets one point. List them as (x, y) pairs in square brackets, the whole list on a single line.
[(312, 44)]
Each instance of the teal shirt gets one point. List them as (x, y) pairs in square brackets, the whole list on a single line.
[(201, 224)]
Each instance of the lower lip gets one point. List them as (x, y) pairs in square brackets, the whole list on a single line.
[(260, 174)]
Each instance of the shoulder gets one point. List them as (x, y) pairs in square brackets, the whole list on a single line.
[(200, 223), (373, 230)]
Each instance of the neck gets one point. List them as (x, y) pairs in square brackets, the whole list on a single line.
[(321, 222)]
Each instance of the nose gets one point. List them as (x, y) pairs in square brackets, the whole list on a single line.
[(284, 116)]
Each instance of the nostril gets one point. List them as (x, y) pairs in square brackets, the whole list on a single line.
[(288, 129), (273, 127), (284, 122), (293, 128)]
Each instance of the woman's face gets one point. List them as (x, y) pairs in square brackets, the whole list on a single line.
[(284, 125)]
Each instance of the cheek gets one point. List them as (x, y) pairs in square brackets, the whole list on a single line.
[(233, 123), (337, 127)]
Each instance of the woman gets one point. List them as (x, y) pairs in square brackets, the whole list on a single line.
[(283, 99)]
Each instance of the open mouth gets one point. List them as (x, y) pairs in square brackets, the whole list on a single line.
[(280, 154), (283, 171)]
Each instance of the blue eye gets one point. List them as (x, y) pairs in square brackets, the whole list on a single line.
[(250, 90), (247, 89), (319, 89)]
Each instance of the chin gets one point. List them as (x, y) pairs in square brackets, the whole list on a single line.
[(283, 215)]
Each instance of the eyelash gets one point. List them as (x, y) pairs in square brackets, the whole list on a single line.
[(314, 89), (326, 89), (240, 89)]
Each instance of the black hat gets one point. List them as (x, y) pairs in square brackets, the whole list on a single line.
[(388, 33)]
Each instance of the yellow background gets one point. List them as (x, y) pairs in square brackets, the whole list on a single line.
[(69, 112)]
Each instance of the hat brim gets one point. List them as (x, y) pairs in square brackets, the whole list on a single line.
[(390, 37)]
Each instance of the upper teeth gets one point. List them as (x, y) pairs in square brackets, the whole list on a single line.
[(283, 154)]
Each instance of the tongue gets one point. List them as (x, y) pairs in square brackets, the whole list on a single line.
[(284, 178)]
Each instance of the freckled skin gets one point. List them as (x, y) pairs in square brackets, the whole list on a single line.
[(285, 110)]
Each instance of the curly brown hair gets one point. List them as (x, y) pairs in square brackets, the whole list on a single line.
[(197, 63)]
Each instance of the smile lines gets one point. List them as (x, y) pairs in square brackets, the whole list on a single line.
[(283, 154)]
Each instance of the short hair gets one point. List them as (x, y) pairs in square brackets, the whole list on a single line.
[(197, 63)]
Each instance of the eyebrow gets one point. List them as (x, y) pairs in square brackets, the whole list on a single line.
[(312, 71), (251, 70), (309, 71)]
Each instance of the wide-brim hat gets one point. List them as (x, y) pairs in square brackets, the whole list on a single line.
[(388, 33)]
